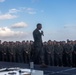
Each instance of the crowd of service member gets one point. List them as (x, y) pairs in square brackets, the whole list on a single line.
[(55, 53)]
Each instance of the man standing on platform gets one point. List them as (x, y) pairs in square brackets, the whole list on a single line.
[(38, 45)]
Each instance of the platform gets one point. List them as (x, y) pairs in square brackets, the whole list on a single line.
[(50, 70)]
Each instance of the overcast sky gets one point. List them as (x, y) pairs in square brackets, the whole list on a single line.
[(18, 19)]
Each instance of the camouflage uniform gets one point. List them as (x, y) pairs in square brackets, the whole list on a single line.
[(68, 49), (58, 52), (12, 54), (4, 52), (74, 56), (50, 53), (0, 52), (26, 49), (19, 53)]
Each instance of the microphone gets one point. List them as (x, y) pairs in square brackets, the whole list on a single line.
[(42, 33)]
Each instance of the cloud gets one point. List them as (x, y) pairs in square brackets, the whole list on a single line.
[(2, 0), (6, 34), (7, 16), (30, 11), (13, 10), (22, 9), (19, 25)]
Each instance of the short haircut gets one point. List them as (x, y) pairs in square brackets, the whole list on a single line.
[(39, 24)]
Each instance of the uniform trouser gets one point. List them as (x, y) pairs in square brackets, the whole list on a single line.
[(0, 56), (12, 58), (19, 58), (74, 60), (68, 60), (26, 57), (58, 60), (50, 59), (4, 57)]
